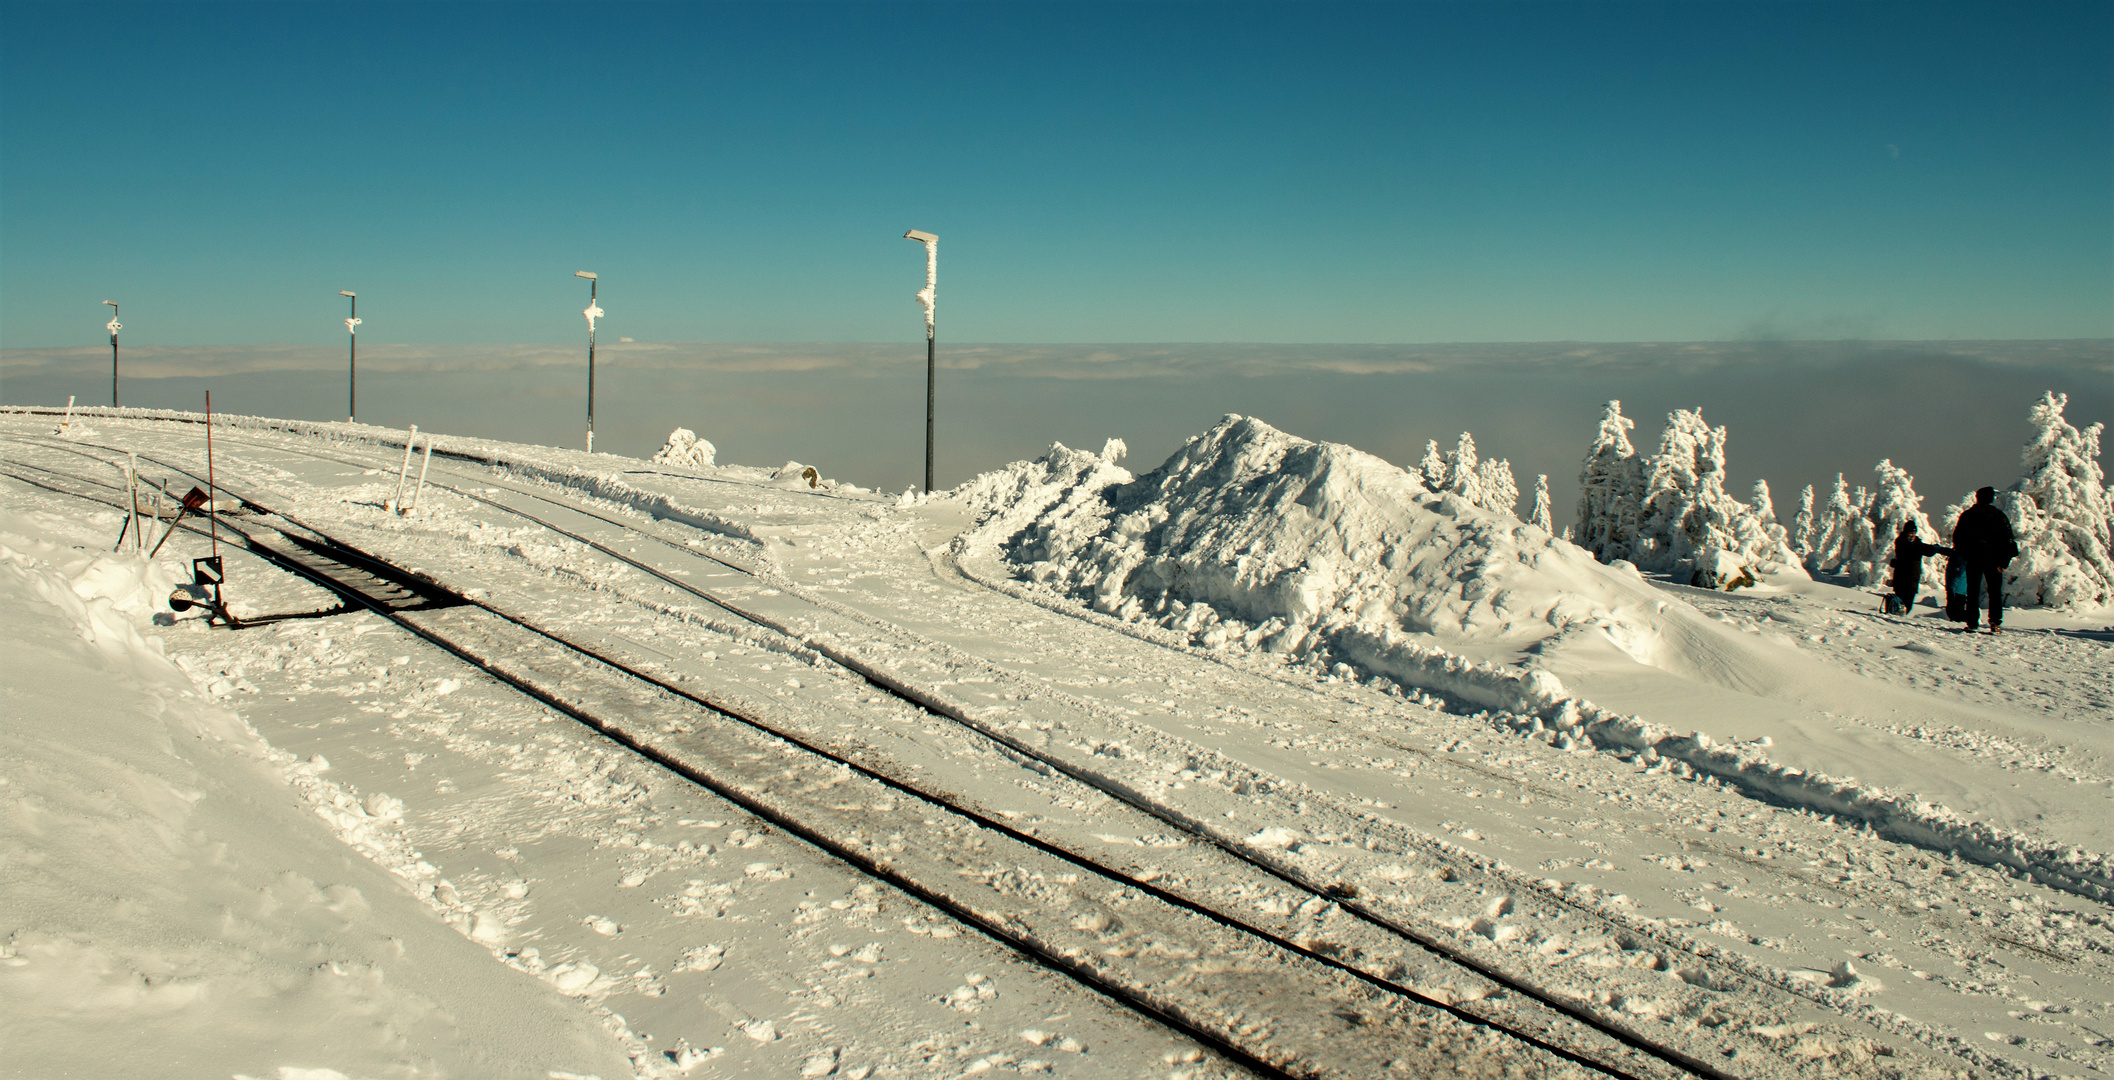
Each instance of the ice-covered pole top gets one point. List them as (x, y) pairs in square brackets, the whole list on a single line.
[(593, 310), (927, 296), (113, 325)]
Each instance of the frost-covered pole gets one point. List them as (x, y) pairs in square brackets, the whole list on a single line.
[(423, 464), (397, 503), (132, 522), (593, 311), (352, 357), (113, 327), (925, 298)]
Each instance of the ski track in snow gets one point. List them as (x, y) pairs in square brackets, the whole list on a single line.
[(468, 794)]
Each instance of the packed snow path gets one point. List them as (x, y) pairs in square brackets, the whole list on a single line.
[(1322, 762)]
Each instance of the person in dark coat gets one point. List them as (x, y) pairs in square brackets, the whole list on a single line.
[(1909, 553), (1985, 544)]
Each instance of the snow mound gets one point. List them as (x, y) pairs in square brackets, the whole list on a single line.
[(685, 450), (1249, 534)]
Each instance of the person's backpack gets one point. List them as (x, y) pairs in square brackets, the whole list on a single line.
[(1956, 593)]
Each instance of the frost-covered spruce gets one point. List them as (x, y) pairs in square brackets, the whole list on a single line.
[(1498, 491), (1895, 504), (1539, 515), (1861, 563), (2060, 513), (1433, 467), (1802, 526), (1463, 478), (1690, 527), (1765, 544), (1831, 533), (1764, 508), (1610, 482)]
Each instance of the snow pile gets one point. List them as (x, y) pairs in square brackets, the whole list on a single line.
[(685, 450), (1672, 514), (1252, 536)]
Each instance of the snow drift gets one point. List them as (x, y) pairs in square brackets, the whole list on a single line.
[(1249, 534), (1250, 538)]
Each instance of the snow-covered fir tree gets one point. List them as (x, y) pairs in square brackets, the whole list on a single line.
[(1433, 467), (1496, 488), (1610, 482), (1462, 476), (1539, 515), (1894, 504), (1690, 527), (1488, 484), (1862, 554), (2060, 513), (1802, 525), (1673, 481), (1834, 533)]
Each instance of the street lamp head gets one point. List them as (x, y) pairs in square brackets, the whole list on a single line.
[(920, 236), (112, 303), (583, 273), (342, 292)]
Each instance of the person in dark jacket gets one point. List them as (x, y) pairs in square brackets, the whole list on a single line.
[(1909, 553), (1985, 545)]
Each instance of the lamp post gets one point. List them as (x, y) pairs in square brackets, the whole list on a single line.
[(113, 326), (593, 311), (352, 357), (925, 299)]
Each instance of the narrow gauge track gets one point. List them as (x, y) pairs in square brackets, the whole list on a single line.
[(1266, 1002), (1502, 1001)]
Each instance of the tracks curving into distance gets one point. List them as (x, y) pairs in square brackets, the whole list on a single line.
[(1278, 1005)]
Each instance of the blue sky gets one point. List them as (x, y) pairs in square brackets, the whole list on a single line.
[(1096, 173)]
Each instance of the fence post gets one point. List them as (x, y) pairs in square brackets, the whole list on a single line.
[(403, 474)]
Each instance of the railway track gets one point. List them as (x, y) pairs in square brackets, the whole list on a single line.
[(1376, 1000)]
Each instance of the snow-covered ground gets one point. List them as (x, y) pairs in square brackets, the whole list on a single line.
[(323, 843)]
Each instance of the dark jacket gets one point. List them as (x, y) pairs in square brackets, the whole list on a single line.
[(1908, 563), (1983, 537)]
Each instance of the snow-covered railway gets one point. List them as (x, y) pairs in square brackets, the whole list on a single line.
[(606, 530), (1278, 1006)]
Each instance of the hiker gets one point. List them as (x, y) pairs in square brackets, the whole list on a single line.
[(1984, 544), (1909, 553)]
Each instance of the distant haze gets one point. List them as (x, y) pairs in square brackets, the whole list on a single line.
[(1952, 413)]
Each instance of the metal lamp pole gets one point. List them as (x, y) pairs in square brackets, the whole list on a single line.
[(925, 299), (593, 311), (113, 326), (352, 357)]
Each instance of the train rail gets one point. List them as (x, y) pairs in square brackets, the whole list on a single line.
[(620, 693)]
